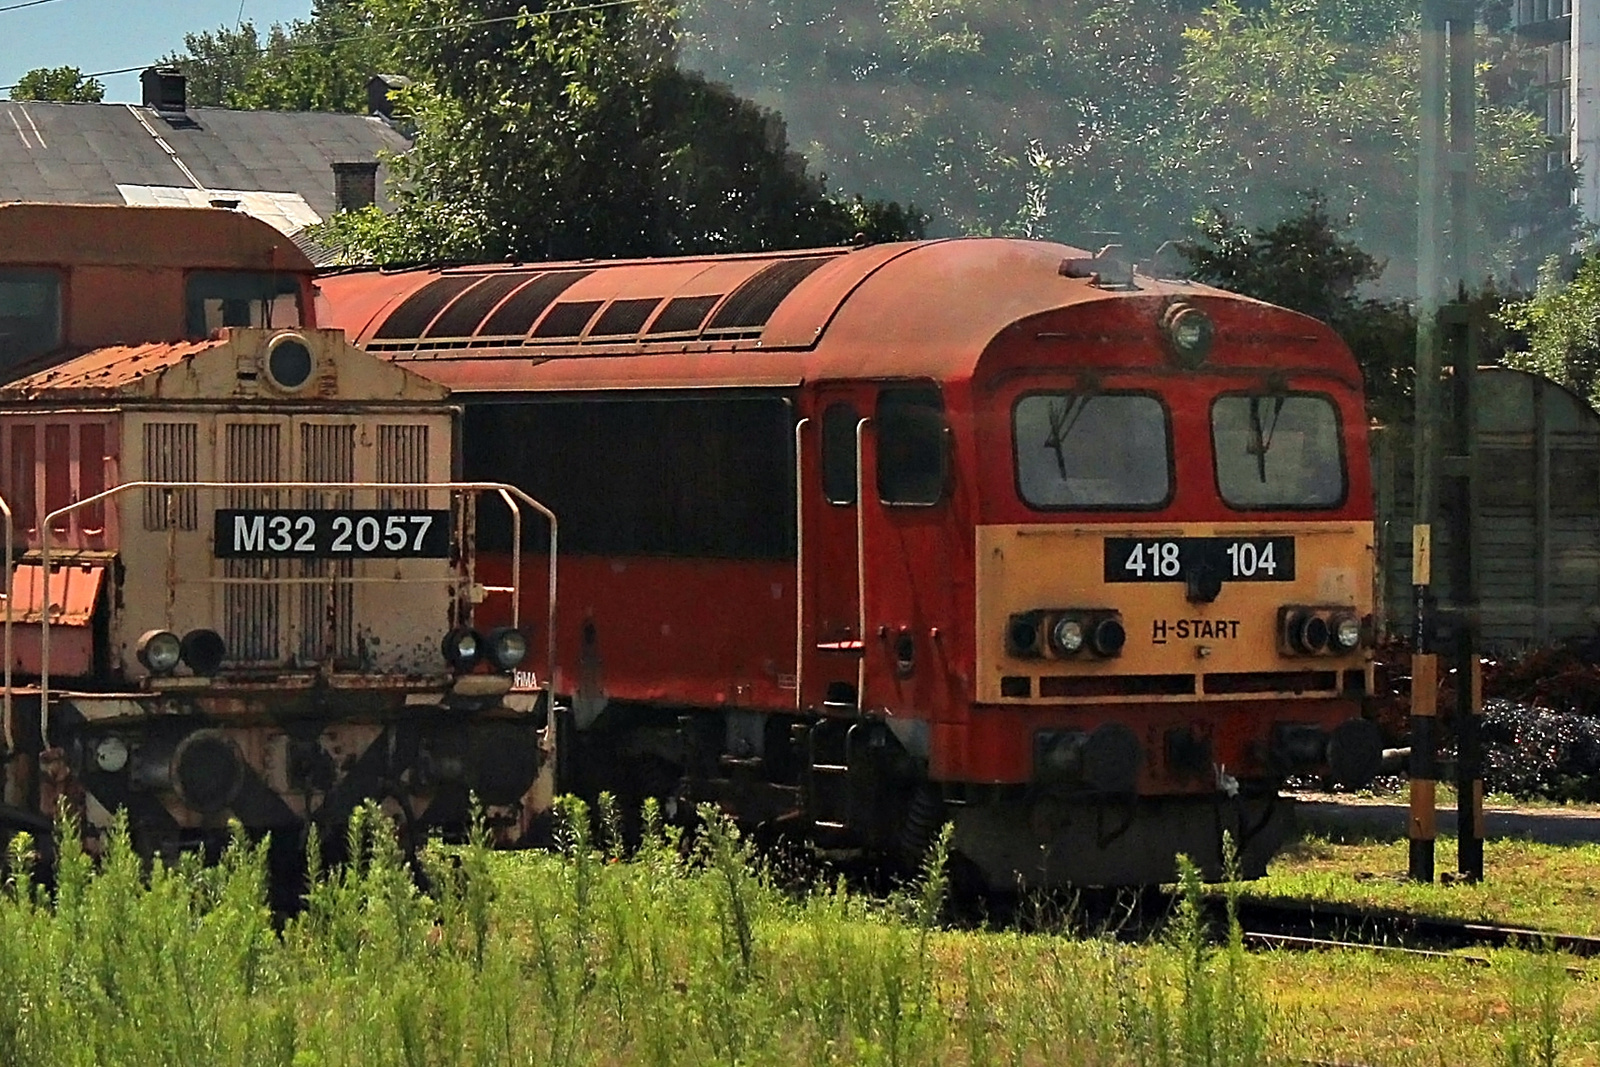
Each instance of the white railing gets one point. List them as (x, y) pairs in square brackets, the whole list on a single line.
[(514, 499)]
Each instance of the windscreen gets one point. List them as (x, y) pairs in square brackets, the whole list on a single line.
[(1278, 451), (1080, 450), (241, 298)]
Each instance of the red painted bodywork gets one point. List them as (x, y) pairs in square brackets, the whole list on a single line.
[(985, 320)]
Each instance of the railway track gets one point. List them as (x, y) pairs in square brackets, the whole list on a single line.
[(1298, 925)]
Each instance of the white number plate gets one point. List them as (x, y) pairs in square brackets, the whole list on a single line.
[(331, 533)]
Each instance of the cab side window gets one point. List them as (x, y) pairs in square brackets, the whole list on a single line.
[(30, 314), (913, 448), (839, 453)]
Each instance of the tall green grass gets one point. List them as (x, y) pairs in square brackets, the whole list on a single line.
[(676, 952)]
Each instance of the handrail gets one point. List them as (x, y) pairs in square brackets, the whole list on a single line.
[(5, 703), (799, 567), (861, 563), (506, 491)]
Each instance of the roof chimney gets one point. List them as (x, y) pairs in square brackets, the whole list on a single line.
[(355, 185), (379, 86), (164, 89)]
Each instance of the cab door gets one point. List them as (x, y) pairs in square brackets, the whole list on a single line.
[(831, 643)]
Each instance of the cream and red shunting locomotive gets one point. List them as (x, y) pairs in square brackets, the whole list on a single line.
[(243, 564), (855, 541)]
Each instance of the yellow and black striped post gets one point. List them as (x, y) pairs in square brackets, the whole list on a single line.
[(1424, 712)]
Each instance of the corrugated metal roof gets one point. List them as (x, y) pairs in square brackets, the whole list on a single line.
[(107, 369)]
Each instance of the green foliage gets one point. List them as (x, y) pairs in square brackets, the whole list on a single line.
[(318, 64), (1561, 322), (1078, 120), (65, 85), (1305, 263), (557, 136)]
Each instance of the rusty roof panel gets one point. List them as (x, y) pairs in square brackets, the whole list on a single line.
[(928, 309), (107, 369)]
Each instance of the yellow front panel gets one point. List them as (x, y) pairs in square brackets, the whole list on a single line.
[(1029, 567)]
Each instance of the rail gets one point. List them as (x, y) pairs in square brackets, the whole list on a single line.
[(508, 493)]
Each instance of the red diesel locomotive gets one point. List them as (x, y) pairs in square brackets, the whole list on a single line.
[(855, 541)]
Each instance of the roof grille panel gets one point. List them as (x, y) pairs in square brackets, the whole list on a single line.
[(753, 303), (684, 314), (523, 308), (462, 318), (419, 309), (568, 319), (624, 317)]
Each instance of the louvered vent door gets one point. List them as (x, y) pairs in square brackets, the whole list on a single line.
[(327, 609), (402, 457), (253, 610)]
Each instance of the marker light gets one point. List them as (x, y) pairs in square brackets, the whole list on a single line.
[(1107, 638), (1346, 631), (507, 647), (1067, 636), (159, 651), (462, 647), (204, 651)]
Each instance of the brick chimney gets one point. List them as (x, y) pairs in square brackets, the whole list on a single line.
[(379, 86), (355, 185), (164, 89)]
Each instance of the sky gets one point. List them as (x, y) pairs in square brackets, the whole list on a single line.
[(95, 35)]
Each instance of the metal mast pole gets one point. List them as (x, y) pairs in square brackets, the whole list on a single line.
[(1444, 267)]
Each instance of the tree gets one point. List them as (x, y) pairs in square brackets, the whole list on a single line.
[(318, 64), (1277, 101), (1033, 117), (573, 134), (65, 85), (1078, 119), (1306, 264), (1561, 324)]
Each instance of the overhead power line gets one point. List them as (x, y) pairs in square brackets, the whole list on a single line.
[(28, 3), (408, 31)]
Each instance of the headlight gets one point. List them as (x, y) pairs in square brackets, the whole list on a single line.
[(462, 647), (1189, 332), (111, 754), (1347, 632), (1067, 636), (159, 651), (507, 648)]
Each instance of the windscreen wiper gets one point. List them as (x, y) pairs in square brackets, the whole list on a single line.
[(1261, 431)]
